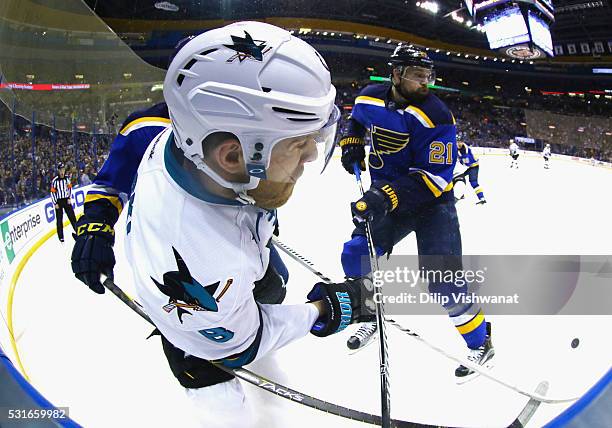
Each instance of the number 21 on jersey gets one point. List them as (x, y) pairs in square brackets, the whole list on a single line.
[(440, 153)]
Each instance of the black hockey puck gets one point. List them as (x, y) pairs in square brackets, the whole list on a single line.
[(575, 343)]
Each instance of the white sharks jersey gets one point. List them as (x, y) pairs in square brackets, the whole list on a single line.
[(195, 257), (514, 148), (546, 152)]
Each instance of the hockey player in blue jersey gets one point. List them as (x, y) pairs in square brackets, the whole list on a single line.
[(411, 160), (467, 158)]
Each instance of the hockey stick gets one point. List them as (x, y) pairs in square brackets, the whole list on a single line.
[(385, 396), (276, 388), (534, 396)]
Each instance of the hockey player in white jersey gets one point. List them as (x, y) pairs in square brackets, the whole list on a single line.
[(546, 155), (250, 107), (514, 154)]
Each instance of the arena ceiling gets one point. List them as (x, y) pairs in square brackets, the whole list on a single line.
[(576, 20)]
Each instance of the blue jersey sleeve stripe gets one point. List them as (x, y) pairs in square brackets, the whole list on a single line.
[(144, 121), (101, 192), (437, 185), (369, 100), (420, 116), (114, 200)]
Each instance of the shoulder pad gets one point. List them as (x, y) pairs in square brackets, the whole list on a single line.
[(433, 112), (375, 91), (156, 115)]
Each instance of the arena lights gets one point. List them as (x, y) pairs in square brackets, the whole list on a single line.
[(429, 6), (457, 18)]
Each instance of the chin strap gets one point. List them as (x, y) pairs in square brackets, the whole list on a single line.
[(240, 189)]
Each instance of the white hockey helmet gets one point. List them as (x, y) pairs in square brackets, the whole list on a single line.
[(256, 81)]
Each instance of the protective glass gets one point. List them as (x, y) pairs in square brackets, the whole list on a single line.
[(291, 156), (420, 75)]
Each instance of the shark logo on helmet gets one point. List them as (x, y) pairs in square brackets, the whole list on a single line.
[(247, 48), (185, 292)]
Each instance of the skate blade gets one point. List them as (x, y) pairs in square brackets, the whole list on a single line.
[(463, 380), (372, 340)]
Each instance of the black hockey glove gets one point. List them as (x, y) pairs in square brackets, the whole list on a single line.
[(92, 254), (353, 151), (374, 204), (343, 306)]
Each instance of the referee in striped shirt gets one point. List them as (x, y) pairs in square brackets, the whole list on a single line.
[(61, 190)]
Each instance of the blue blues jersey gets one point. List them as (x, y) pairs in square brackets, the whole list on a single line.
[(467, 157), (107, 196), (413, 148)]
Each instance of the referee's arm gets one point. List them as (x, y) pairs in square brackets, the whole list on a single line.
[(54, 191)]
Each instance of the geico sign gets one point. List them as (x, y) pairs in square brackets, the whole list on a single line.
[(78, 199)]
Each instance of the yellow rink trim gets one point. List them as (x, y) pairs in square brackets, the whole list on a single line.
[(11, 295)]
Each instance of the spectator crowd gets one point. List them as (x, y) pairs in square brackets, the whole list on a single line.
[(572, 126), (27, 167)]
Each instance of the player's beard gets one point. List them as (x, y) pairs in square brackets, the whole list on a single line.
[(416, 95), (271, 194)]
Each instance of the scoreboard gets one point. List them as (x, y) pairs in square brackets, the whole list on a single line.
[(518, 28)]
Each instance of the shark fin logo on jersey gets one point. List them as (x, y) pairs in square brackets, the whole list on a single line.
[(247, 48), (385, 142), (185, 292)]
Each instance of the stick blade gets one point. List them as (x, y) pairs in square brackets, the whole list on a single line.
[(530, 408)]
